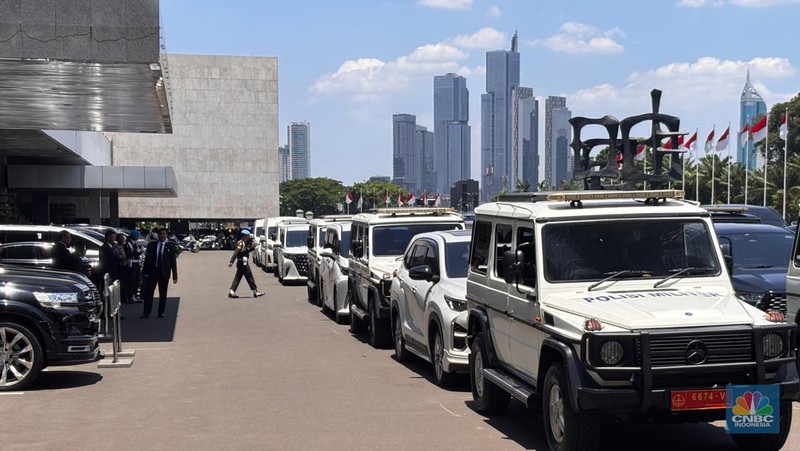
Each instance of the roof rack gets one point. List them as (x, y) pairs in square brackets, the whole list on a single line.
[(334, 218), (575, 197), (731, 210), (411, 211)]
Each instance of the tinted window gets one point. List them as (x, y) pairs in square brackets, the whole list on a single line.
[(481, 238), (525, 243), (760, 250), (502, 240), (321, 235), (393, 240), (344, 244), (271, 231), (15, 236), (296, 238), (416, 257), (432, 259), (20, 253), (456, 257), (259, 231)]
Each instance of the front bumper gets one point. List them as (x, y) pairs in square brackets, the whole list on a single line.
[(290, 272), (74, 350)]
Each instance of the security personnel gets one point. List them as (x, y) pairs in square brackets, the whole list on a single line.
[(240, 256)]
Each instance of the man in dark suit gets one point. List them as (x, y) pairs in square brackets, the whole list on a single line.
[(109, 262), (159, 262), (62, 258)]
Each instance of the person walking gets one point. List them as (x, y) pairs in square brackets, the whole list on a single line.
[(240, 255), (159, 262), (109, 262)]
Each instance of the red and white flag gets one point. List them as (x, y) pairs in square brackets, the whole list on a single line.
[(425, 199), (411, 199), (349, 198), (759, 130), (640, 152), (668, 144), (722, 143), (399, 199), (746, 132), (360, 203), (387, 199), (710, 141), (690, 143), (784, 130), (438, 201)]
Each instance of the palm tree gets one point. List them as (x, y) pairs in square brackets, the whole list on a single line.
[(522, 186)]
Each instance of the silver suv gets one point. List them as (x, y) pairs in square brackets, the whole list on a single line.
[(429, 304), (316, 241), (334, 269), (377, 244)]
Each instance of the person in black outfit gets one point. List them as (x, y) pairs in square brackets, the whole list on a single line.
[(240, 255), (62, 257), (159, 262), (109, 262)]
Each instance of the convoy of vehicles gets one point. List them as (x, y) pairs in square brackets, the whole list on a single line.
[(269, 254)]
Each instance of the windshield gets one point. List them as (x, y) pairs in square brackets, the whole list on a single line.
[(457, 259), (296, 238), (759, 250), (344, 245), (590, 252), (393, 239), (259, 231), (271, 231), (321, 236)]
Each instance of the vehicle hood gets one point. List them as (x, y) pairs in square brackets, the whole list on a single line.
[(760, 280), (16, 285), (385, 264), (653, 309)]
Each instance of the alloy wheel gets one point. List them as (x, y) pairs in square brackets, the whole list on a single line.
[(438, 356), (556, 410), (16, 357), (478, 376)]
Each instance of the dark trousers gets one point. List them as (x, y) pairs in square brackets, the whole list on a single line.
[(248, 276), (125, 284), (150, 283)]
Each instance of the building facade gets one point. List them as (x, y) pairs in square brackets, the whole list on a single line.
[(451, 131), (224, 145), (524, 134), (424, 143), (406, 163), (464, 195), (502, 76), (299, 134), (284, 163), (751, 109), (556, 141)]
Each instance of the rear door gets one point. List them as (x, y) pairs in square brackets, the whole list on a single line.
[(525, 339)]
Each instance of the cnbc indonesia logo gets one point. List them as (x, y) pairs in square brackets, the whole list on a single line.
[(752, 410)]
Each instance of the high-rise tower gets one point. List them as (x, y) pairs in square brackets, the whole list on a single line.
[(751, 109), (451, 161), (300, 149), (556, 141), (406, 163), (502, 76)]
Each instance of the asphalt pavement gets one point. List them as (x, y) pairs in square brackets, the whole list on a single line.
[(275, 373)]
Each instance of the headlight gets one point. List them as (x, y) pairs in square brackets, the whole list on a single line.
[(56, 299), (611, 352), (458, 305), (750, 298), (773, 345)]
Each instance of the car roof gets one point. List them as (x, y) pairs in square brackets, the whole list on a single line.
[(448, 236), (405, 215), (738, 227), (767, 214), (605, 209)]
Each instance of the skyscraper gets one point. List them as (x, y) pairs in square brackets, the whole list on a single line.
[(556, 141), (751, 108), (502, 76), (284, 163), (525, 135), (300, 149), (406, 163), (424, 145), (451, 131)]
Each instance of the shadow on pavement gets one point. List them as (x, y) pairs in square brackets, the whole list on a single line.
[(518, 424), (424, 370), (64, 379), (153, 329)]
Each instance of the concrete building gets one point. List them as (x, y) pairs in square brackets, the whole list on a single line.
[(69, 71), (424, 142), (406, 162), (751, 109), (502, 76), (524, 133), (299, 135), (451, 130), (556, 141), (284, 163), (224, 146)]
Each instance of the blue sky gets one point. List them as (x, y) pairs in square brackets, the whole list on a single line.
[(346, 66)]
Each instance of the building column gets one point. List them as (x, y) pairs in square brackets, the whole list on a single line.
[(113, 206), (95, 207)]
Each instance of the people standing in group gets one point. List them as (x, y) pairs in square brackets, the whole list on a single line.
[(109, 261), (241, 255), (159, 262)]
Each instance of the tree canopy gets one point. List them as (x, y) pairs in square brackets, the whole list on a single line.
[(319, 195)]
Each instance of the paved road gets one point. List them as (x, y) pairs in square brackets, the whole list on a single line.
[(274, 373)]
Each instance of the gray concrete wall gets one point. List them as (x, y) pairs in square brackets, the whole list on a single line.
[(224, 146), (125, 31), (92, 147)]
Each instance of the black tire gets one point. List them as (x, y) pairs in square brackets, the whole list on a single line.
[(569, 430), (357, 326), (442, 377), (26, 348), (488, 397), (767, 442), (400, 352), (379, 330)]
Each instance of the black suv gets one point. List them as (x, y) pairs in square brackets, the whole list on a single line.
[(47, 318)]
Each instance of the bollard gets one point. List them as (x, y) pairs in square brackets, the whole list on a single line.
[(112, 293)]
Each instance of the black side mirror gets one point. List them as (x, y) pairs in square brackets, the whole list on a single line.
[(310, 242), (422, 272), (513, 261)]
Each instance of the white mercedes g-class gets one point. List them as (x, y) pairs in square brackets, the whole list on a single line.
[(615, 304)]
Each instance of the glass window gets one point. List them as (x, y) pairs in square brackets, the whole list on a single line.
[(587, 252), (393, 239), (456, 257), (21, 253), (481, 238), (271, 231), (416, 257), (432, 258), (296, 238), (502, 237), (760, 250), (16, 236), (525, 243), (259, 231), (344, 244), (321, 236)]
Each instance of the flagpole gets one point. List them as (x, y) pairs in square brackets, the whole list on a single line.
[(728, 145), (766, 157), (746, 164), (713, 164), (361, 201), (697, 168), (785, 159)]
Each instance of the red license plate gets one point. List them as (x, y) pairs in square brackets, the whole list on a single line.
[(697, 399)]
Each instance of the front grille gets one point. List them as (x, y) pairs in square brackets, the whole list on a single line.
[(671, 350), (300, 262), (773, 301)]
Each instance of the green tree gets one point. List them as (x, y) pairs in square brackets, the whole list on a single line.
[(320, 195), (522, 186)]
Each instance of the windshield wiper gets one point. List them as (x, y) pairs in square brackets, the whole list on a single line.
[(611, 276), (759, 266), (679, 272)]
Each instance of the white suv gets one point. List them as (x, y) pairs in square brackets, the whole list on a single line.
[(334, 269), (598, 303), (292, 253), (377, 243), (316, 240), (429, 305), (269, 254)]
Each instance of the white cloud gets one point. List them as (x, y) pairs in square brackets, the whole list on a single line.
[(493, 12), (446, 4), (700, 3), (742, 3), (576, 37), (485, 38)]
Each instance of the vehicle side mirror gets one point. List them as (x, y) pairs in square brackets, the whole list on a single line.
[(421, 272), (310, 242), (327, 252), (277, 246), (727, 256), (513, 261)]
